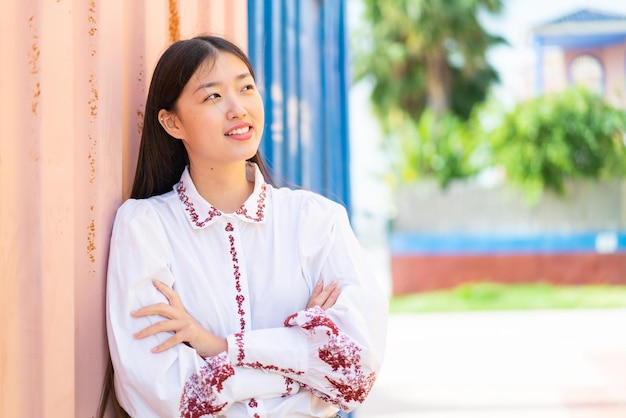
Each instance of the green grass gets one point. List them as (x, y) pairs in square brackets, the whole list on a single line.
[(492, 296)]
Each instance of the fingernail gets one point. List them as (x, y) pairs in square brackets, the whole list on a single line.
[(319, 283)]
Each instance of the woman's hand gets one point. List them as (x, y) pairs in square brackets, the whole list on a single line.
[(185, 328), (324, 297)]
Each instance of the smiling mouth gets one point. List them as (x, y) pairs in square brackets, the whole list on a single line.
[(238, 131)]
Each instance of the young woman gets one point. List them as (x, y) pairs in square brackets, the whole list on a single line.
[(227, 296)]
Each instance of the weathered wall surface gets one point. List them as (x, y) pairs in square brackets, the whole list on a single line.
[(73, 79), (469, 208)]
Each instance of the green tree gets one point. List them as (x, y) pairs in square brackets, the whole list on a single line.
[(425, 53), (573, 134), (442, 147)]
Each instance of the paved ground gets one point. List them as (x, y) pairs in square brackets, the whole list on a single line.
[(539, 364)]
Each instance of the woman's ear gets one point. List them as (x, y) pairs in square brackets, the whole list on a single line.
[(169, 123)]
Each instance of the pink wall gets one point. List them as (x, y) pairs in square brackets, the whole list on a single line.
[(613, 60), (73, 79)]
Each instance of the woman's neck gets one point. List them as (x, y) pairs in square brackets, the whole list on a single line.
[(224, 187)]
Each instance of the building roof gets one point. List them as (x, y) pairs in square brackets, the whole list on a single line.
[(582, 28), (588, 15)]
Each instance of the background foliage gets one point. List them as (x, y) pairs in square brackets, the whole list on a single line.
[(424, 53), (426, 63), (573, 134)]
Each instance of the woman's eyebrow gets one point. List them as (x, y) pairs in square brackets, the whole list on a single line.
[(215, 83)]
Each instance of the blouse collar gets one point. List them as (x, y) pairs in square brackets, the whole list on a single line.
[(201, 213)]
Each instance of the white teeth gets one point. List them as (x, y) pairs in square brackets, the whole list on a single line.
[(239, 131)]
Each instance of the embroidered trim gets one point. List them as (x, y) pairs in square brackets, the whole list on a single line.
[(214, 212), (341, 353), (240, 353), (253, 404), (239, 298), (260, 366), (288, 387), (260, 203), (189, 207), (201, 389), (257, 365)]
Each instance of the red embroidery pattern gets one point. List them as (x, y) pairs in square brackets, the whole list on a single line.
[(253, 404), (181, 190), (342, 354), (260, 207), (354, 388), (315, 321), (240, 298), (326, 398), (240, 354), (200, 392), (258, 365), (288, 387)]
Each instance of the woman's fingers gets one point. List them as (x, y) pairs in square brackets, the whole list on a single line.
[(169, 343), (168, 292), (184, 328), (175, 322), (178, 327), (162, 309), (161, 326), (324, 297), (172, 310), (332, 298)]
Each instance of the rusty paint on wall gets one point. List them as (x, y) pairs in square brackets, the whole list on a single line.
[(140, 81), (33, 61), (91, 18), (92, 155), (174, 21), (91, 239), (140, 115), (93, 101)]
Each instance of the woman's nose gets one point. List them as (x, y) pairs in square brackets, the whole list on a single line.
[(235, 109)]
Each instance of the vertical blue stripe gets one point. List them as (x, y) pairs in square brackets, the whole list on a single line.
[(275, 93), (300, 52)]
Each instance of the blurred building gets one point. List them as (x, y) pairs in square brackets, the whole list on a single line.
[(474, 232), (586, 47)]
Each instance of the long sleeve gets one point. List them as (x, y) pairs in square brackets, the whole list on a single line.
[(177, 382), (334, 354)]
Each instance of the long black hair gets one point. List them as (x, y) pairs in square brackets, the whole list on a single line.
[(162, 158)]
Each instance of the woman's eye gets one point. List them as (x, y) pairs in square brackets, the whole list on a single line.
[(248, 87), (211, 97)]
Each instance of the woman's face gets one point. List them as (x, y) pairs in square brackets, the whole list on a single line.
[(219, 114)]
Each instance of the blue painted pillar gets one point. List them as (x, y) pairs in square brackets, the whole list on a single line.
[(300, 54)]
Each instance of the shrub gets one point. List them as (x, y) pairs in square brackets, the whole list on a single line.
[(574, 134)]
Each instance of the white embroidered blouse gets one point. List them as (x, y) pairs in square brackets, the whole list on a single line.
[(245, 276)]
